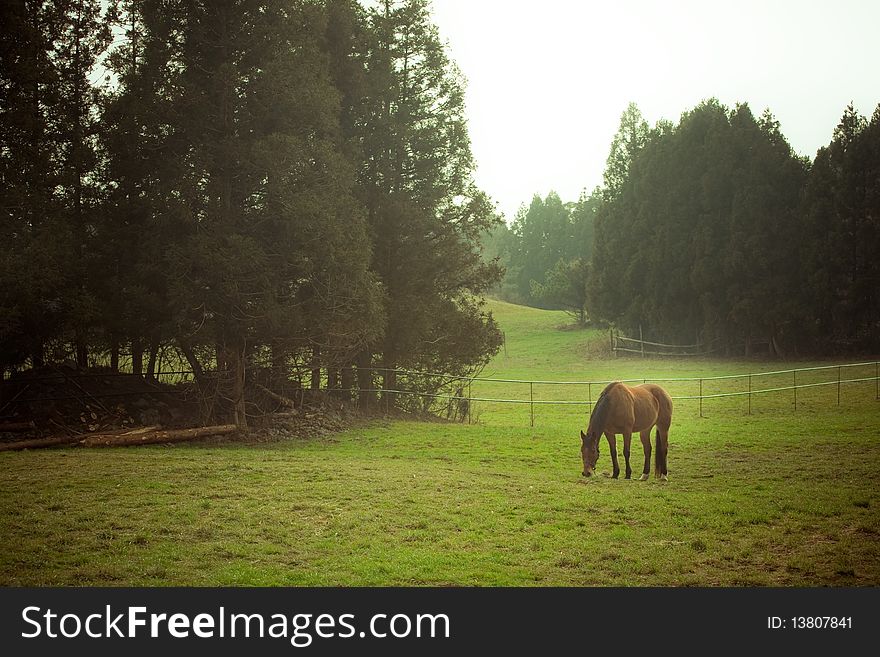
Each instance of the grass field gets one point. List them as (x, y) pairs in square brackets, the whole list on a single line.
[(779, 497)]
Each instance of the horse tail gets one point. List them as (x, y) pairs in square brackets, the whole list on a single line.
[(660, 450), (664, 420)]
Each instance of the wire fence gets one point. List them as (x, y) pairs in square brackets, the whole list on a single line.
[(457, 395), (623, 344), (746, 386)]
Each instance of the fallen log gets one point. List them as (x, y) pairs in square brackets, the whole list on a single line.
[(16, 426), (157, 436), (55, 441), (37, 443)]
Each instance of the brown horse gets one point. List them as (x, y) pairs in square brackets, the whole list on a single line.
[(626, 410)]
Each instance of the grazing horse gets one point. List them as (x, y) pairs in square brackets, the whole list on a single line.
[(624, 409)]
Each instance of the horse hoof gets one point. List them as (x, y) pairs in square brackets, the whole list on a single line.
[(644, 477), (663, 477)]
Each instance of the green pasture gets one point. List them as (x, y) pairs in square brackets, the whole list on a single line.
[(782, 496)]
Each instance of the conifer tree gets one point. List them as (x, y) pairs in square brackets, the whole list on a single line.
[(424, 210)]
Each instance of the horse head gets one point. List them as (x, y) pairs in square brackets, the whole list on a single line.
[(589, 451)]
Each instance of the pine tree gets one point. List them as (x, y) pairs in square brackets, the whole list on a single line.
[(226, 150), (841, 203), (424, 210), (82, 39), (141, 166), (631, 136), (697, 243), (49, 50)]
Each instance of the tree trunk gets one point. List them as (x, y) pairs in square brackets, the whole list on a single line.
[(151, 363), (37, 357), (237, 371), (205, 401), (137, 356), (316, 368), (347, 382), (82, 353), (194, 364), (37, 443), (389, 383), (221, 357), (279, 366), (366, 392), (114, 354), (152, 436)]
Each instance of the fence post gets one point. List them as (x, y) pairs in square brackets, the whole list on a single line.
[(532, 402), (877, 380), (794, 379), (641, 341), (701, 397), (838, 385), (750, 394), (470, 403), (590, 397)]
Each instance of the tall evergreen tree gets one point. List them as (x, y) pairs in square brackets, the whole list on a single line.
[(424, 209), (697, 242), (83, 38), (545, 235), (631, 136), (842, 203), (273, 252), (31, 244), (142, 155), (49, 51)]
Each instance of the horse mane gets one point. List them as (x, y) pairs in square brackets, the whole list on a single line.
[(600, 410)]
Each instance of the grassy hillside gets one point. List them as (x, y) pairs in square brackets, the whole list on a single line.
[(778, 497), (544, 346)]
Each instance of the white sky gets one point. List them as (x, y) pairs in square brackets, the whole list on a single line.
[(548, 80)]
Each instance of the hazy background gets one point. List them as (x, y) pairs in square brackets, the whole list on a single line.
[(548, 81)]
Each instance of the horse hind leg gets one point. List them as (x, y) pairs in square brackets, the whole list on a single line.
[(646, 446)]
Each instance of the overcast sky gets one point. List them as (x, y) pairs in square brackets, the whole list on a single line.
[(549, 79)]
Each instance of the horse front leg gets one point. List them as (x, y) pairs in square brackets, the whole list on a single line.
[(627, 441), (612, 449), (646, 446)]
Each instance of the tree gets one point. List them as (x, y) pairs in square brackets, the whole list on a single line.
[(544, 234), (49, 49), (269, 250), (30, 246), (424, 210), (142, 153), (842, 204), (631, 136), (498, 245), (82, 39), (696, 242), (565, 286)]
